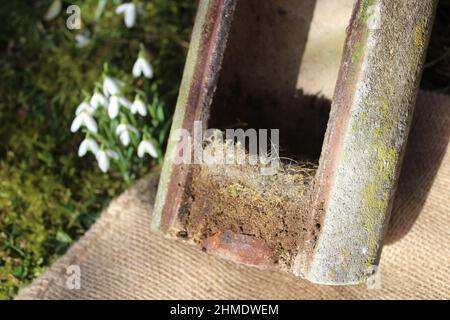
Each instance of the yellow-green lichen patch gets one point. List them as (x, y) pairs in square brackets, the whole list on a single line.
[(416, 51), (387, 157), (357, 52), (374, 206), (332, 274), (419, 34), (377, 191), (347, 254)]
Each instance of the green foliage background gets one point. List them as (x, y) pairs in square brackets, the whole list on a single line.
[(48, 196)]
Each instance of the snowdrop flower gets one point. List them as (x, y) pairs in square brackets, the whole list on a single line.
[(129, 11), (123, 131), (146, 146), (142, 66), (84, 119), (103, 157), (111, 86), (98, 100), (88, 144), (138, 106), (114, 105), (53, 11), (84, 107)]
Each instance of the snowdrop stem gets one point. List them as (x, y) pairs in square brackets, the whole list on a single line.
[(142, 52), (108, 140), (123, 168), (140, 93), (105, 68), (146, 135), (133, 121), (86, 96)]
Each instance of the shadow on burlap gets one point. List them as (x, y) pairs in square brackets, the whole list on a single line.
[(120, 258)]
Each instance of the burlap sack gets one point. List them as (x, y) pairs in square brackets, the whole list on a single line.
[(120, 258)]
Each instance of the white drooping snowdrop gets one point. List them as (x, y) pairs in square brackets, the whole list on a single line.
[(146, 146), (124, 132), (113, 107), (98, 100), (84, 107), (115, 102), (84, 119), (103, 157), (142, 66), (111, 86), (138, 106), (129, 11), (53, 11), (125, 138), (86, 145)]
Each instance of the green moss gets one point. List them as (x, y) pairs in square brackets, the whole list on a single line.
[(237, 190), (234, 189), (48, 196)]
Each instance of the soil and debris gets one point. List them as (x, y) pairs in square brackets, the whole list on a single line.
[(238, 198)]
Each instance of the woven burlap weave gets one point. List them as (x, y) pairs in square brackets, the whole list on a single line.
[(120, 258)]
